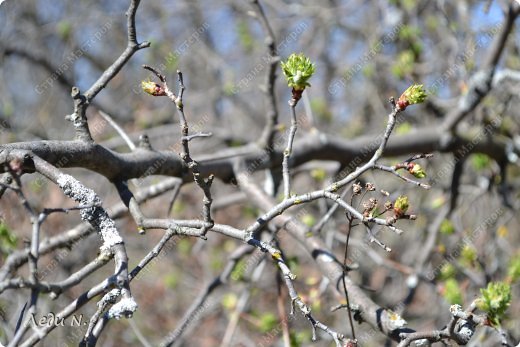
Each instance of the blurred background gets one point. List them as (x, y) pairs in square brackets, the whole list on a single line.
[(365, 52)]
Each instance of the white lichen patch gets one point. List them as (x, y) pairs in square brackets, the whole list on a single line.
[(395, 321), (109, 233), (466, 332), (109, 297), (124, 308), (77, 191), (455, 310), (94, 214)]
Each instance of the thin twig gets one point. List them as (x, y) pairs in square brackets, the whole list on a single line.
[(119, 130), (132, 47), (242, 303), (316, 228), (350, 220), (396, 173), (201, 301), (288, 150)]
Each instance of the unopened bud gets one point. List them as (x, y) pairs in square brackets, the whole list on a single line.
[(401, 206), (416, 170), (153, 88)]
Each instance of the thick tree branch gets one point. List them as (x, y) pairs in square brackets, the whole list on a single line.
[(143, 162)]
